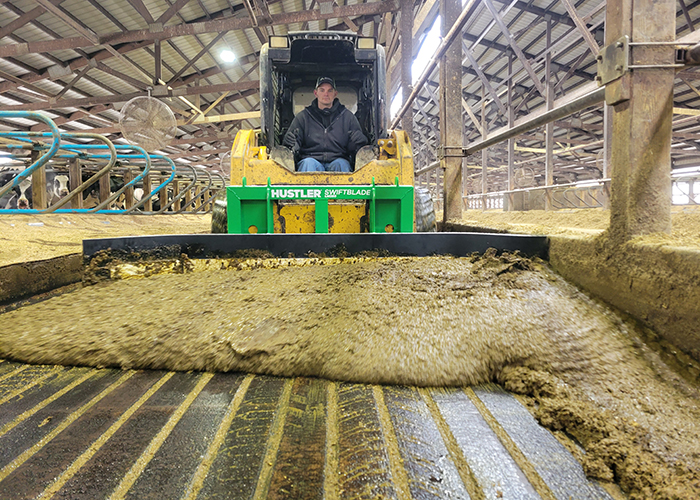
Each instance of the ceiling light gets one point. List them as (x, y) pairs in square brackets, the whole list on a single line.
[(227, 56)]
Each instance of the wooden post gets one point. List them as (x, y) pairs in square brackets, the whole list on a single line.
[(158, 66), (176, 192), (188, 198), (39, 193), (511, 142), (104, 188), (197, 202), (451, 122), (484, 152), (148, 205), (406, 62), (607, 150), (440, 185), (163, 194), (642, 100), (75, 179), (549, 128), (128, 192)]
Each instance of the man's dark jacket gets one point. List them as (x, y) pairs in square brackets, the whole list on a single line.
[(324, 134)]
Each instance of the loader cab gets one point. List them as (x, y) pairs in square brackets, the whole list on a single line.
[(290, 65)]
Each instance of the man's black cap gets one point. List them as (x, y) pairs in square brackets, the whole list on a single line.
[(325, 79)]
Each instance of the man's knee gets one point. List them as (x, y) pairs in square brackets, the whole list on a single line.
[(340, 165), (310, 165)]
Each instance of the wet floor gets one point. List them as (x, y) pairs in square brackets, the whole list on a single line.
[(387, 332), (88, 433)]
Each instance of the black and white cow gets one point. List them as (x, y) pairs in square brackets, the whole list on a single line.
[(20, 196), (60, 188)]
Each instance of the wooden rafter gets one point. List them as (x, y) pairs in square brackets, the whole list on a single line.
[(202, 52), (70, 21), (231, 23), (25, 19), (139, 6), (90, 101)]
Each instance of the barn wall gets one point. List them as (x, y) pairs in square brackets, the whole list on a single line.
[(656, 285), (26, 279)]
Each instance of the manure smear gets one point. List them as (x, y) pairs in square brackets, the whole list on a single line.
[(435, 321)]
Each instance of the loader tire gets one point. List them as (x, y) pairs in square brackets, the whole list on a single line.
[(425, 211), (219, 219)]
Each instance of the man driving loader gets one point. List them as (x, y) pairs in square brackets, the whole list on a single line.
[(325, 135)]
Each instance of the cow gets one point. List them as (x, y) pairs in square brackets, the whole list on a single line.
[(91, 194), (60, 188), (20, 196), (9, 199), (25, 194)]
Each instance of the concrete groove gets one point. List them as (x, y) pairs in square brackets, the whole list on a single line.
[(528, 469), (28, 413), (277, 428), (398, 472), (236, 436), (467, 476), (543, 452)]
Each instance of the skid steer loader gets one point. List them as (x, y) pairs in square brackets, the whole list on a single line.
[(268, 195)]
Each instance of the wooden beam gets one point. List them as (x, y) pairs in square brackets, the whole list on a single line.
[(213, 104), (77, 63), (75, 80), (91, 101), (196, 28), (122, 76), (196, 58), (172, 10), (18, 80), (246, 115), (471, 114), (254, 18), (70, 21), (142, 10), (582, 28), (484, 80), (514, 45), (686, 111), (199, 152), (24, 19)]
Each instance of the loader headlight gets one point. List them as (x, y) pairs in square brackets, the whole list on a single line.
[(279, 42), (366, 43), (365, 49)]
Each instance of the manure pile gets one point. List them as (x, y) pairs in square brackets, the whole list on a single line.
[(435, 321)]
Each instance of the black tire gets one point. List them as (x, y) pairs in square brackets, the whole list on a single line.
[(424, 211), (219, 216)]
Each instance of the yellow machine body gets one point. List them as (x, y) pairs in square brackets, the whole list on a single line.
[(252, 165)]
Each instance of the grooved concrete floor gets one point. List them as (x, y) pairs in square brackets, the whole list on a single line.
[(72, 432)]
